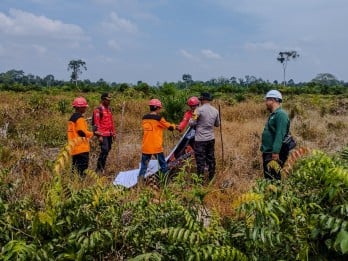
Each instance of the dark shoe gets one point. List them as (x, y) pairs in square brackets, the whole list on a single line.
[(100, 171), (141, 180)]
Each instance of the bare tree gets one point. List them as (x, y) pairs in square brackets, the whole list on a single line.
[(284, 57), (75, 66)]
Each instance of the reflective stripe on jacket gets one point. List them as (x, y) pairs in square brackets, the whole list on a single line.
[(77, 127), (105, 123), (153, 126)]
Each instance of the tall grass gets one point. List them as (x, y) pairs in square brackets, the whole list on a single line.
[(37, 131)]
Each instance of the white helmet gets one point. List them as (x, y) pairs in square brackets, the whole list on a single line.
[(274, 94)]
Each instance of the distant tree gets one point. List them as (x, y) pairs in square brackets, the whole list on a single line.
[(142, 87), (222, 81), (284, 57), (12, 76), (326, 79), (123, 87), (49, 79), (291, 82), (250, 79), (168, 89), (233, 80), (241, 81), (31, 78), (187, 78), (75, 66)]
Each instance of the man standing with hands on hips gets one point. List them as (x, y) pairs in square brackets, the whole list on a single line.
[(104, 129)]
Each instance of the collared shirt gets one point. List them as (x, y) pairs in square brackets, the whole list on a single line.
[(205, 118), (276, 127), (104, 123)]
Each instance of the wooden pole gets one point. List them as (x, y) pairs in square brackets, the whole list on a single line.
[(120, 132), (222, 142)]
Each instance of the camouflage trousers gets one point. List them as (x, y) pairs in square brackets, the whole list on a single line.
[(205, 156), (270, 173)]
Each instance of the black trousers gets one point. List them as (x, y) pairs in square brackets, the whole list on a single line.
[(105, 147), (80, 163), (205, 156), (271, 173)]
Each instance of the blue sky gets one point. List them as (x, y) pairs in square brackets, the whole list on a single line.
[(160, 40)]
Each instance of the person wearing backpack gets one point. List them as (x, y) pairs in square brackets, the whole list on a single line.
[(104, 129), (275, 130), (79, 134)]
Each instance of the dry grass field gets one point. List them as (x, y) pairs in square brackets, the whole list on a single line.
[(33, 130)]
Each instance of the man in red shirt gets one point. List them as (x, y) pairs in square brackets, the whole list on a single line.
[(105, 130), (189, 139)]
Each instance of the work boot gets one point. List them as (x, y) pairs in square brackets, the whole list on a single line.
[(100, 171), (141, 181)]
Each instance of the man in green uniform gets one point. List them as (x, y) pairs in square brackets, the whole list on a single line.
[(276, 128)]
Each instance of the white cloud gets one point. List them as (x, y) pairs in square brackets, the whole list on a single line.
[(210, 54), (114, 23), (114, 45), (104, 59), (268, 46), (187, 55), (39, 49), (24, 24)]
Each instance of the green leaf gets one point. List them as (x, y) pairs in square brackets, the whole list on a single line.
[(342, 241)]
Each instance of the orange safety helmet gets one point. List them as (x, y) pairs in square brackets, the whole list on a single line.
[(155, 102), (193, 101), (80, 102)]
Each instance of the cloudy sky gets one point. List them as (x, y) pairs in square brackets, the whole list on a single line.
[(160, 40)]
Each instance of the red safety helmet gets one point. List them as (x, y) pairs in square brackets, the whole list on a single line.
[(193, 101), (155, 102), (80, 102)]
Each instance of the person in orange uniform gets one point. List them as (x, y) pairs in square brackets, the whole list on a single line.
[(77, 128), (189, 139), (153, 125)]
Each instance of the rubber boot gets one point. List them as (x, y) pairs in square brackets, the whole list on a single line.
[(141, 182)]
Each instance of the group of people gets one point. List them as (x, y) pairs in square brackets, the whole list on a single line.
[(103, 129), (202, 117)]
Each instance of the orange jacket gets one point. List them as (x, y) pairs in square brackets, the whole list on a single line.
[(77, 127), (153, 126)]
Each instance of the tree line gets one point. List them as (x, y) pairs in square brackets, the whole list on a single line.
[(17, 80)]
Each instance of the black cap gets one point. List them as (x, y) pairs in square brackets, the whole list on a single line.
[(106, 96), (206, 96)]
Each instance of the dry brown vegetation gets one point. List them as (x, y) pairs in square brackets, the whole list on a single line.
[(37, 129)]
